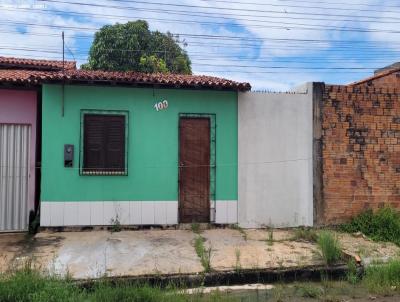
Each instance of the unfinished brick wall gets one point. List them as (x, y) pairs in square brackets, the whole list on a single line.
[(387, 80), (360, 150)]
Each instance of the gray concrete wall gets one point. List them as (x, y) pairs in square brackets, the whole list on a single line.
[(275, 159)]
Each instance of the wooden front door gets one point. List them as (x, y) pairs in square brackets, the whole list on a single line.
[(194, 170)]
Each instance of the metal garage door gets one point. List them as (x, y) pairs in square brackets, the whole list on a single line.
[(14, 176)]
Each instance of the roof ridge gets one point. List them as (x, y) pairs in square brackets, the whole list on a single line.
[(35, 64), (37, 77)]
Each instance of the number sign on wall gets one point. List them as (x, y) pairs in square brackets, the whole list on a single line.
[(161, 105)]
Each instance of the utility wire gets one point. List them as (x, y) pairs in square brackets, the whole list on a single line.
[(284, 14)]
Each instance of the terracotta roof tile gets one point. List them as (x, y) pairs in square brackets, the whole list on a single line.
[(22, 63), (26, 76)]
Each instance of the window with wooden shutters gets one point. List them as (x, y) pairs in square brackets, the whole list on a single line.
[(104, 144)]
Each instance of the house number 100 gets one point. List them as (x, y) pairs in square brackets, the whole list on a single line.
[(161, 105)]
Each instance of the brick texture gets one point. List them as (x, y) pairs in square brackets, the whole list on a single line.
[(385, 79), (360, 150)]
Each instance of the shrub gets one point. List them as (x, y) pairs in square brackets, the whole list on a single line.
[(383, 225), (330, 247)]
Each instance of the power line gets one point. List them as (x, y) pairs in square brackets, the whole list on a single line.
[(285, 6), (283, 13), (242, 66)]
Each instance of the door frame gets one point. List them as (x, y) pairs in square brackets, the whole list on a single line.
[(213, 159)]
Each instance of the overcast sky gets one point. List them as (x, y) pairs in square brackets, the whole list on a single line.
[(274, 45)]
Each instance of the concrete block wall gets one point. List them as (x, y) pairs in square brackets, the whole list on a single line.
[(275, 158), (360, 150)]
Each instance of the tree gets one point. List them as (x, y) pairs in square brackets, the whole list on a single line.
[(133, 47)]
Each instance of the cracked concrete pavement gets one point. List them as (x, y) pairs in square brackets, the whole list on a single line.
[(92, 254)]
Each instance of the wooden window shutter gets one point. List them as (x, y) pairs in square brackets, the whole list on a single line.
[(115, 147), (104, 144)]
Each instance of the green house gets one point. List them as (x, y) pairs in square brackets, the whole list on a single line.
[(138, 149)]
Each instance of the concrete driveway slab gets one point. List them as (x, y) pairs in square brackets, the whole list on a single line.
[(93, 254), (11, 247), (126, 253), (230, 250)]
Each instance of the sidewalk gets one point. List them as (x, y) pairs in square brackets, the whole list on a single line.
[(93, 254)]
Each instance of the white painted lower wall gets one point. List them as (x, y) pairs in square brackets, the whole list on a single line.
[(275, 183), (226, 212), (92, 213), (99, 213)]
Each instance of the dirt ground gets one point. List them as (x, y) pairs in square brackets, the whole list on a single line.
[(91, 254)]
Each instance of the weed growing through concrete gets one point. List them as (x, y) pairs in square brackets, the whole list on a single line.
[(330, 247), (305, 234), (241, 230), (238, 265), (203, 253), (195, 228), (115, 224), (270, 239)]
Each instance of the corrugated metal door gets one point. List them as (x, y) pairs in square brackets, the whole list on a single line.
[(14, 176)]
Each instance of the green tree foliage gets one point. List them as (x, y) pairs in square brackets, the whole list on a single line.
[(133, 47)]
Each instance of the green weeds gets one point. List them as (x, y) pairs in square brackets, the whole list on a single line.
[(383, 225), (115, 225), (238, 265), (203, 253), (383, 278), (305, 234), (270, 239), (309, 291), (31, 286), (352, 273), (195, 228), (330, 247)]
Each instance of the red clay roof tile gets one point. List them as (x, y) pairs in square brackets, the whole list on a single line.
[(22, 63), (70, 76)]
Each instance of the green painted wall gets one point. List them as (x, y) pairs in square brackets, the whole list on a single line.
[(152, 146)]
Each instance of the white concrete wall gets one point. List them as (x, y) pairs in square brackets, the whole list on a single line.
[(275, 159), (103, 213)]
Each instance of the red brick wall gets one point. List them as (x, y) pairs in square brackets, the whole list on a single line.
[(360, 150), (387, 81)]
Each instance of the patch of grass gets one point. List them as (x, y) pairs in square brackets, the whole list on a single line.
[(383, 278), (309, 291), (31, 286), (203, 253), (352, 274), (383, 225), (306, 234), (330, 247)]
